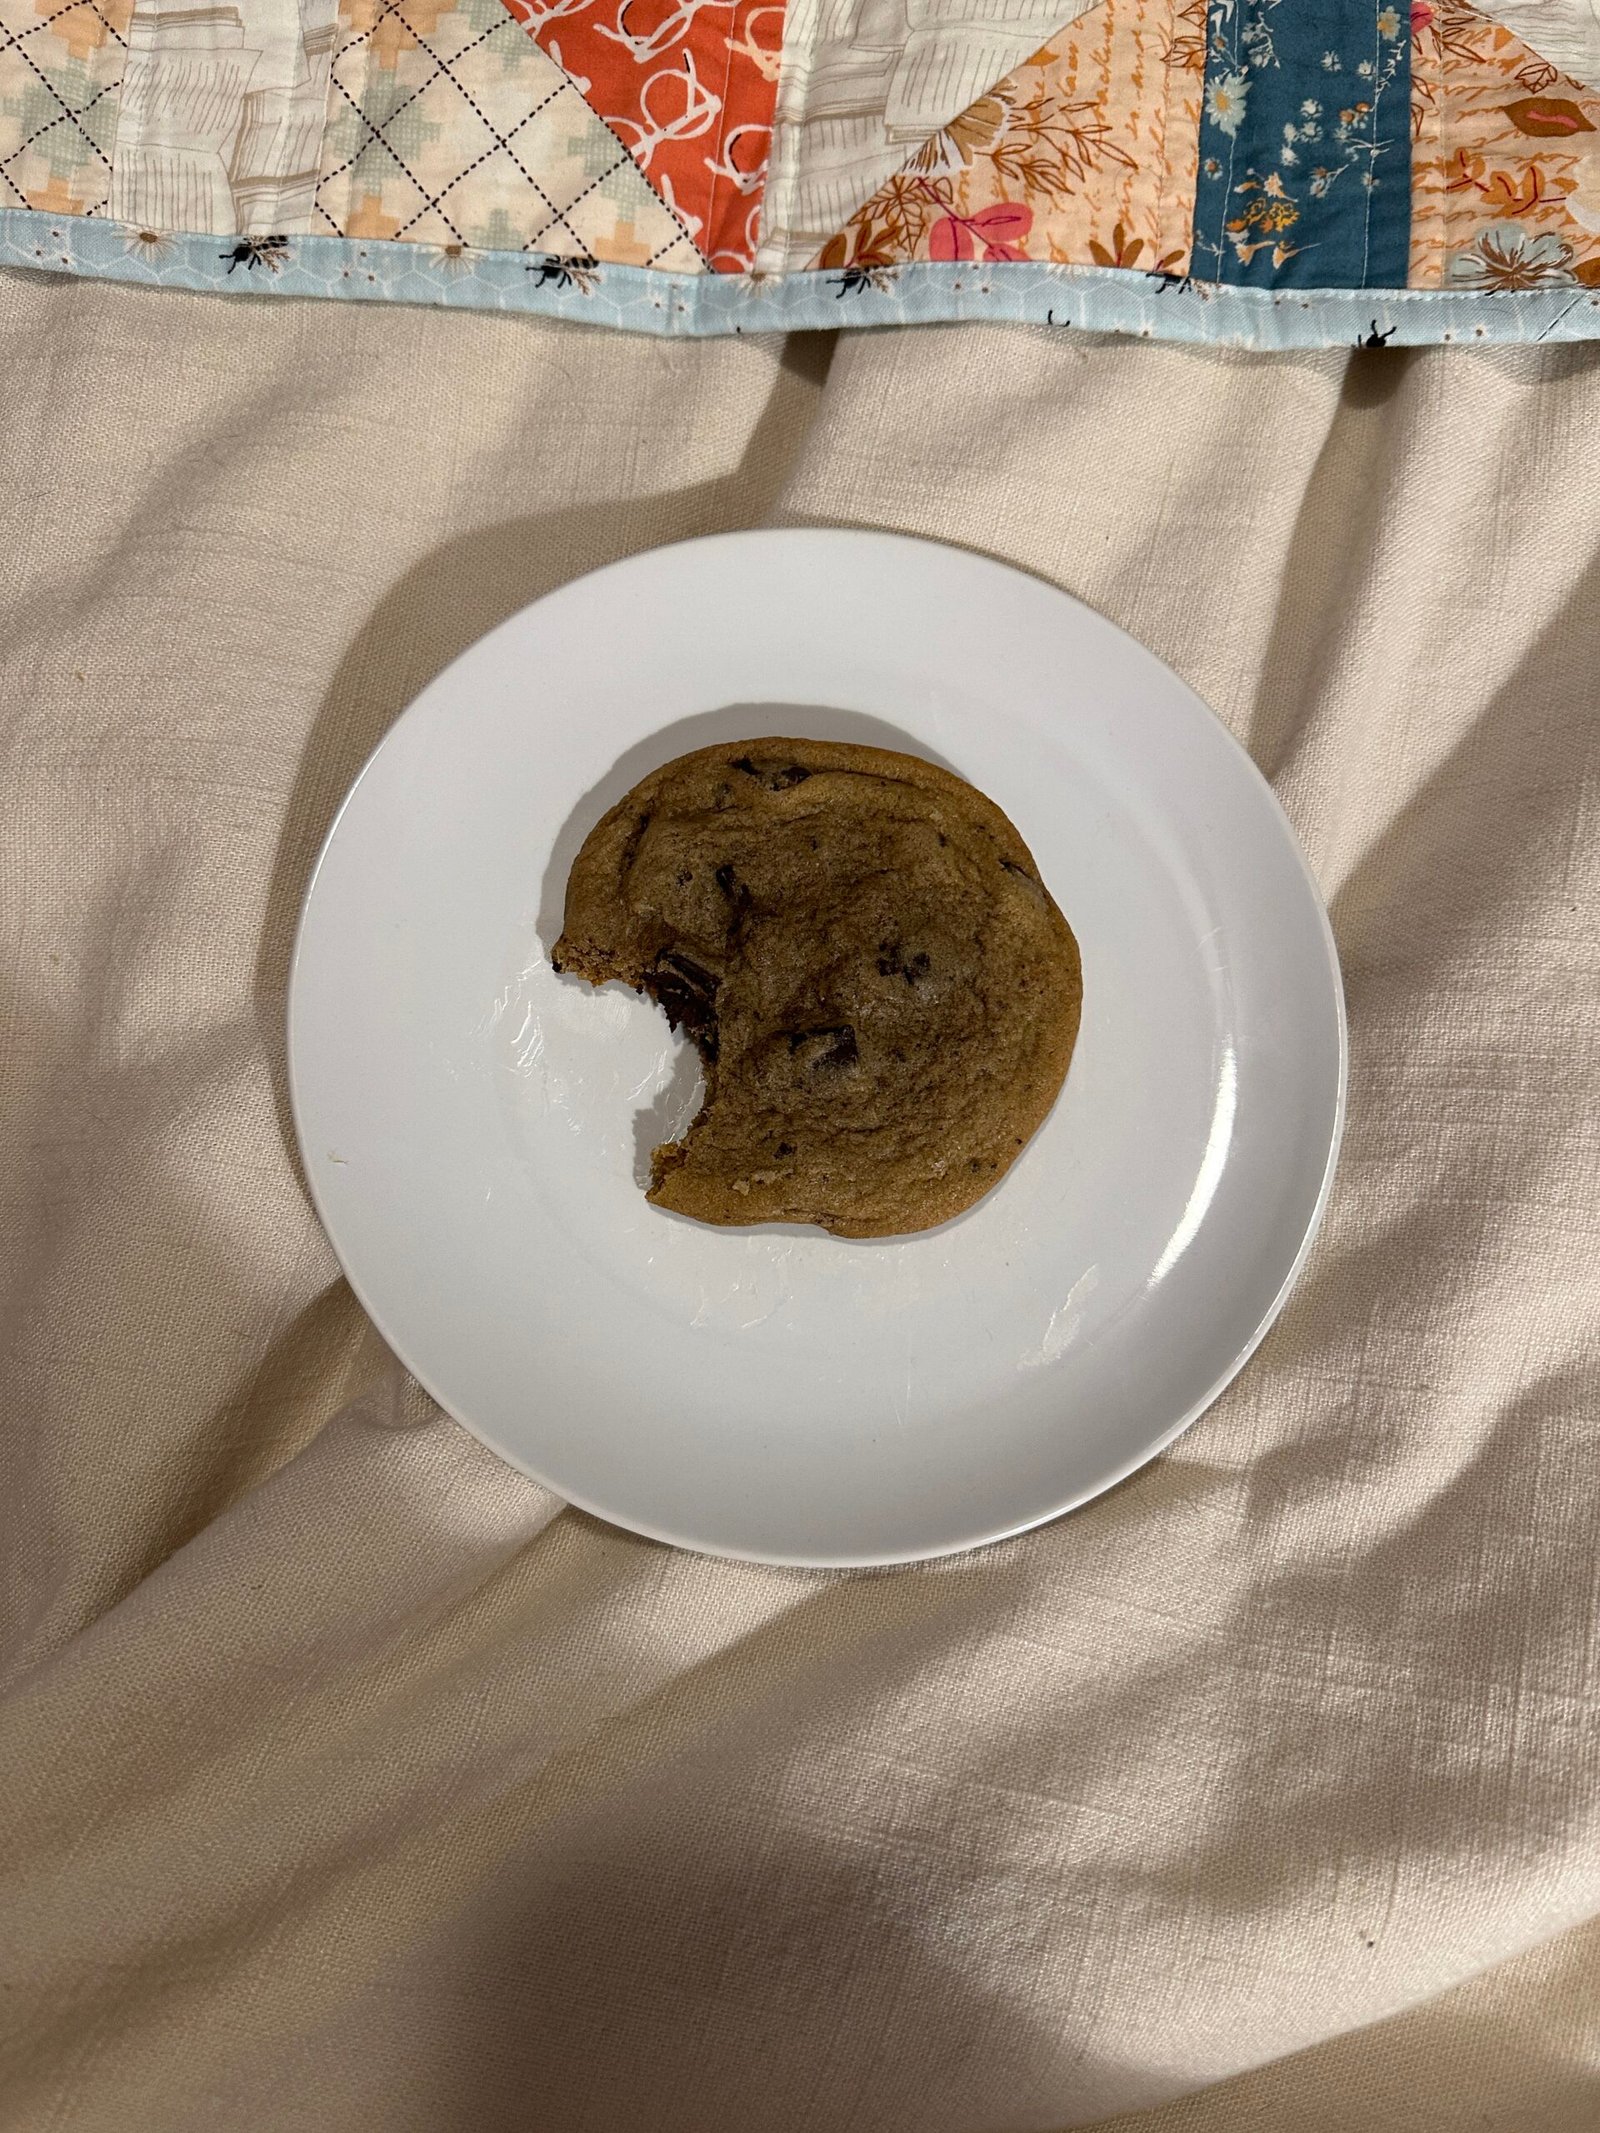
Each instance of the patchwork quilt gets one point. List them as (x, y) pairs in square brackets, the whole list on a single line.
[(1271, 173)]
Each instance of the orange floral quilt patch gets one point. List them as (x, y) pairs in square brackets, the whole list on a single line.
[(1505, 162), (1085, 153)]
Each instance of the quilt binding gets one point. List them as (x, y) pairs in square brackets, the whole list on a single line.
[(1085, 299)]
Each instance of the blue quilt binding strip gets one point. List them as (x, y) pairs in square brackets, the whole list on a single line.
[(643, 299), (1305, 145)]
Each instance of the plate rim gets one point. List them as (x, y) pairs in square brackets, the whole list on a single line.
[(1074, 1499)]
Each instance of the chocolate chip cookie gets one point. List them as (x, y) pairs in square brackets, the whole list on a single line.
[(882, 991)]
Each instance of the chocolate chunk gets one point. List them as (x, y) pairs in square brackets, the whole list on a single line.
[(692, 973), (776, 777), (831, 1047), (893, 962), (688, 994)]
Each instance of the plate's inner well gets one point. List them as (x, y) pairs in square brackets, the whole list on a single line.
[(476, 1127)]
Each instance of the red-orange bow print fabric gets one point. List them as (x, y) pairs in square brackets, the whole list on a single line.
[(688, 87)]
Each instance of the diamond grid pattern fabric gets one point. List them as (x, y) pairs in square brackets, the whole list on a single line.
[(60, 69), (448, 126)]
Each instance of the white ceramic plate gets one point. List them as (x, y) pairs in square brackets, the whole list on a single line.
[(474, 1128)]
